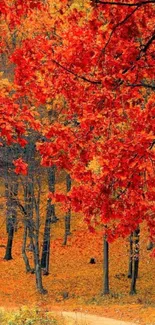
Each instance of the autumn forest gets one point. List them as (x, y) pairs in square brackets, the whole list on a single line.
[(77, 160)]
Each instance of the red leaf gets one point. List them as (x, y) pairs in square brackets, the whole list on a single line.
[(20, 166)]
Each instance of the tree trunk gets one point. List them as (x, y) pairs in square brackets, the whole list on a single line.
[(50, 218), (25, 258), (34, 223), (38, 272), (130, 257), (105, 266), (8, 253), (68, 215), (67, 226), (135, 260), (46, 241), (29, 204), (51, 187), (11, 215)]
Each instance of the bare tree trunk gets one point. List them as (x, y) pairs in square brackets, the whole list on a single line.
[(51, 187), (135, 260), (28, 186), (46, 241), (38, 272), (31, 202), (130, 256), (68, 215), (8, 253), (50, 218), (105, 266), (11, 213), (28, 221), (25, 258)]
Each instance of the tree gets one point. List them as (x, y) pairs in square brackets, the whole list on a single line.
[(103, 70), (50, 218), (123, 114), (11, 192), (68, 214)]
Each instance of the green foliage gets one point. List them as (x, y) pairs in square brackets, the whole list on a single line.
[(26, 316)]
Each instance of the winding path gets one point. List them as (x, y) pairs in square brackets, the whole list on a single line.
[(88, 319)]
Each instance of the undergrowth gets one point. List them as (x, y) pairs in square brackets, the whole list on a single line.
[(26, 316)]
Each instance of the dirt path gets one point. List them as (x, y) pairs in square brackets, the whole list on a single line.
[(88, 319)]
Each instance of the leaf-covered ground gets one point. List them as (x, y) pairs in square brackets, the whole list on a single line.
[(73, 276)]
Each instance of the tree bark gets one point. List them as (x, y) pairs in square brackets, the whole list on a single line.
[(51, 187), (31, 202), (46, 241), (25, 258), (68, 215), (11, 214), (50, 218), (8, 253), (38, 271), (130, 257), (105, 266), (135, 261)]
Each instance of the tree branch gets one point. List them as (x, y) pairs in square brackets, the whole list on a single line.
[(76, 75), (136, 4), (146, 46), (152, 145), (113, 31), (142, 85)]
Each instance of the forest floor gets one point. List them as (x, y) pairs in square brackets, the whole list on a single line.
[(75, 285)]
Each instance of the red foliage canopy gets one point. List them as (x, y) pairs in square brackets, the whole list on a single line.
[(103, 68)]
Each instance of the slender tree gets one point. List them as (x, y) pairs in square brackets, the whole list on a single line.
[(50, 218), (130, 256), (106, 289), (68, 214), (11, 192), (135, 260)]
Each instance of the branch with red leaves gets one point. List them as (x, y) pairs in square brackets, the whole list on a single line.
[(126, 4), (97, 82)]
